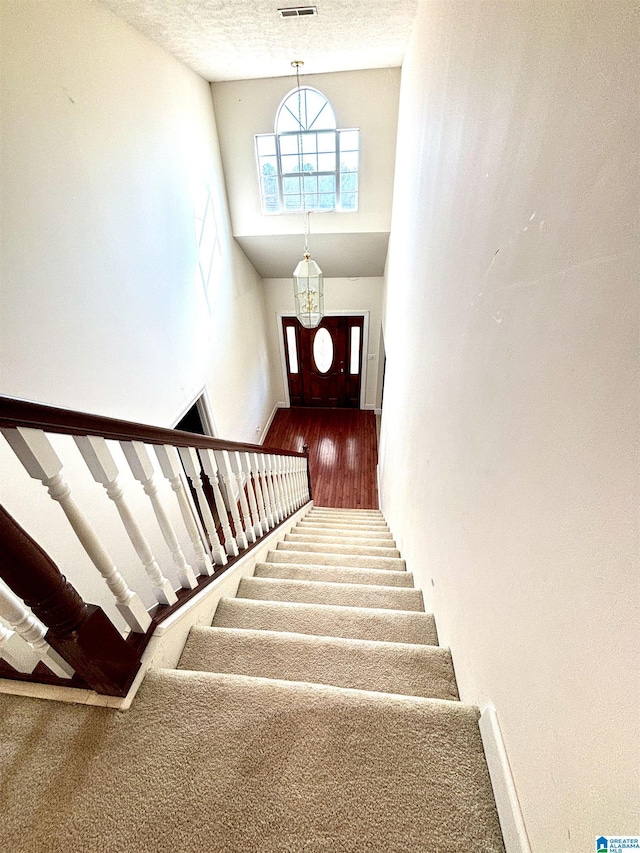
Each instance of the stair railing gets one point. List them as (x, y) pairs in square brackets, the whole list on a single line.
[(228, 496)]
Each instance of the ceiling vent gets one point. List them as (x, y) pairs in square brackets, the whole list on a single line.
[(298, 11)]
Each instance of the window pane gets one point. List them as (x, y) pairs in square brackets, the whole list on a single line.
[(288, 144), (349, 140), (310, 163), (290, 164), (310, 184), (291, 185), (349, 182), (327, 201), (349, 161), (270, 186), (292, 202), (318, 111), (354, 361), (326, 162), (323, 350), (292, 349), (272, 204), (268, 166), (288, 116), (309, 142), (327, 183), (326, 141), (349, 201), (266, 145)]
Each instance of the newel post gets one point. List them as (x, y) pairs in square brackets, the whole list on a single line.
[(305, 450), (81, 633)]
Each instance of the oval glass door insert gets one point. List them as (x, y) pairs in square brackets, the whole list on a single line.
[(323, 350)]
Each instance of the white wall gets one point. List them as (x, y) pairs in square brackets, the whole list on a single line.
[(108, 147), (509, 431), (341, 295), (247, 107), (109, 152)]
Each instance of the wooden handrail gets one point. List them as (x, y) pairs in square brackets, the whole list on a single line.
[(24, 413), (81, 633)]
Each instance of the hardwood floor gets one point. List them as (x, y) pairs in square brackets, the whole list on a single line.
[(343, 452)]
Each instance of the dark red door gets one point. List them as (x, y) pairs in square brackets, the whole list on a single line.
[(324, 365)]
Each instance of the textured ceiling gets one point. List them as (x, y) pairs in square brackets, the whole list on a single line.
[(246, 39)]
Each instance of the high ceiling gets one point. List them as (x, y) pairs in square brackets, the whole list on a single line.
[(246, 39), (235, 40)]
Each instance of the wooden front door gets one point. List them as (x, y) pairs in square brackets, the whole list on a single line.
[(324, 365)]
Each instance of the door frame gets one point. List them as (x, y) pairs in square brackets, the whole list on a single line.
[(365, 350), (205, 410)]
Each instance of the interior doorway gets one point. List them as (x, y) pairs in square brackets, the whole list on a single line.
[(198, 418), (324, 365)]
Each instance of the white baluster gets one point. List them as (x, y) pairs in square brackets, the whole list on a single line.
[(16, 652), (104, 470), (210, 468), (34, 450), (289, 464), (260, 480), (31, 629), (278, 479), (241, 481), (304, 479), (298, 481), (230, 486), (306, 495), (191, 463), (260, 523), (172, 470), (142, 469), (286, 483), (274, 497)]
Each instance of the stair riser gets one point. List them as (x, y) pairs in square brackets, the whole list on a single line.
[(361, 562), (355, 532), (349, 595), (329, 574), (392, 626), (350, 550), (337, 510), (331, 539), (346, 518), (424, 671)]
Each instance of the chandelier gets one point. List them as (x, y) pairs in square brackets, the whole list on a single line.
[(308, 286)]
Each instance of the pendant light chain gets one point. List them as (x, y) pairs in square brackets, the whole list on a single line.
[(308, 280)]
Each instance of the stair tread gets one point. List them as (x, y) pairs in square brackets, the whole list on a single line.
[(333, 530), (359, 664), (360, 561), (311, 592), (331, 539), (333, 574), (358, 623), (351, 550), (352, 770)]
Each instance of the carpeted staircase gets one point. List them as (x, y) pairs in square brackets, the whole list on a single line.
[(317, 713)]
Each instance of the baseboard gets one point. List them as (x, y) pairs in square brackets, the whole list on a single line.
[(264, 432), (513, 829)]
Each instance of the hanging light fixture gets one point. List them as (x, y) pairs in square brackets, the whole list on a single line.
[(308, 280), (308, 286)]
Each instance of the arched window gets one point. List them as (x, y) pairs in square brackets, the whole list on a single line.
[(308, 163)]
